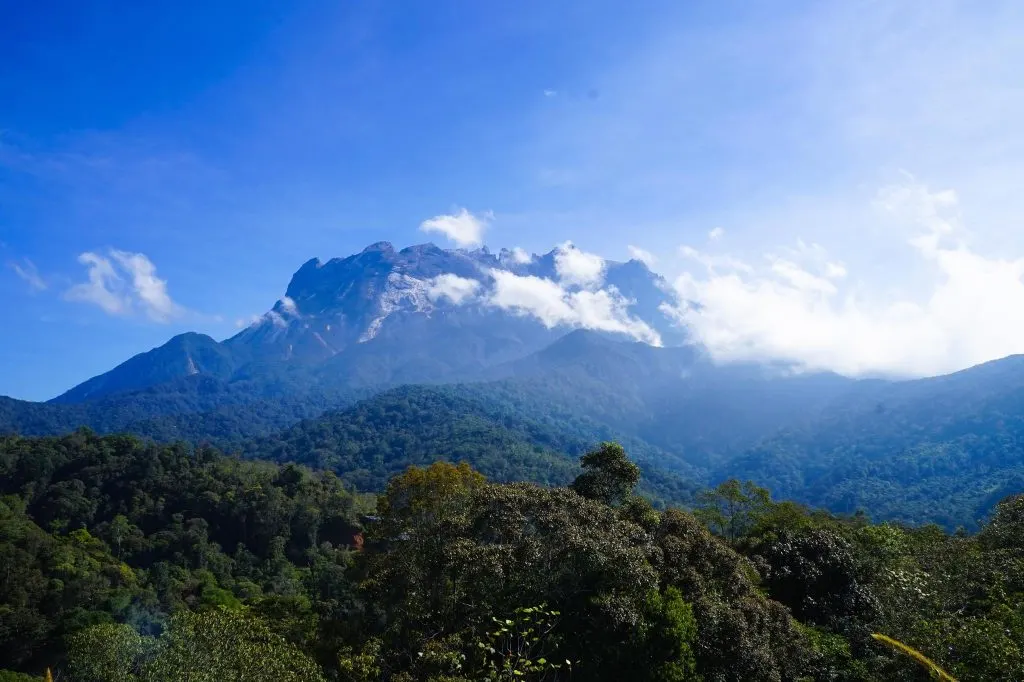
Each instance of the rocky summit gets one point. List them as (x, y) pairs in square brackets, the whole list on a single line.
[(419, 313)]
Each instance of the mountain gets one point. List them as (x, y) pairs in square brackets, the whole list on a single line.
[(194, 408), (528, 359), (674, 398), (184, 355), (943, 449), (386, 317)]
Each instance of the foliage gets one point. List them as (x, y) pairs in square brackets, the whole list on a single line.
[(101, 529), (942, 450), (223, 645), (608, 475), (623, 591), (732, 508), (12, 676), (126, 560), (380, 437), (515, 648), (957, 599), (209, 646)]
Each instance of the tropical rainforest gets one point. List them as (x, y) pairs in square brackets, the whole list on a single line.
[(123, 559)]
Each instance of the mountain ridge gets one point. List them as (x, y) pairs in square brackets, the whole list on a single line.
[(379, 299), (350, 329)]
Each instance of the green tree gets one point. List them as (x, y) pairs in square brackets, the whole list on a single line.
[(226, 646), (665, 639), (497, 548), (608, 475), (732, 508), (108, 653)]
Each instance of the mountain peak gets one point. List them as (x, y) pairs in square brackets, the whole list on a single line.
[(379, 247), (429, 248)]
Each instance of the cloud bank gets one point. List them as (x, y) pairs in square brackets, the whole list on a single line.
[(797, 306), (553, 305), (122, 283)]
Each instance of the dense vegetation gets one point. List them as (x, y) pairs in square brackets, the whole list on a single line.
[(377, 438), (124, 560), (941, 450), (197, 408), (102, 529)]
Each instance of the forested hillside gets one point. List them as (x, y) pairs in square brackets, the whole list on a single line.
[(197, 408), (501, 437), (130, 561), (941, 450)]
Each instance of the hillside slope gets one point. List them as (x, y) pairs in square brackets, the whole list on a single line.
[(944, 449), (379, 437)]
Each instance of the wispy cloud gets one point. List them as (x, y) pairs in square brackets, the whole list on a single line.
[(288, 305), (642, 255), (243, 322), (122, 283), (26, 270), (835, 96), (795, 307), (149, 290), (462, 227), (104, 287)]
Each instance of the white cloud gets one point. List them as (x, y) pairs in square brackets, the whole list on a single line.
[(578, 268), (457, 289), (835, 270), (521, 255), (123, 283), (716, 233), (642, 255), (149, 290), (243, 322), (275, 318), (551, 93), (713, 262), (792, 309), (463, 228), (27, 270), (104, 288), (538, 296), (603, 310), (288, 305)]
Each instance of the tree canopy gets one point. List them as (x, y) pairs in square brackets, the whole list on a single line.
[(126, 560)]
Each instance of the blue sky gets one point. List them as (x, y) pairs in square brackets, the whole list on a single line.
[(837, 183)]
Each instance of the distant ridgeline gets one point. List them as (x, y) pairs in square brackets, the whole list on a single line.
[(373, 362), (126, 560)]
